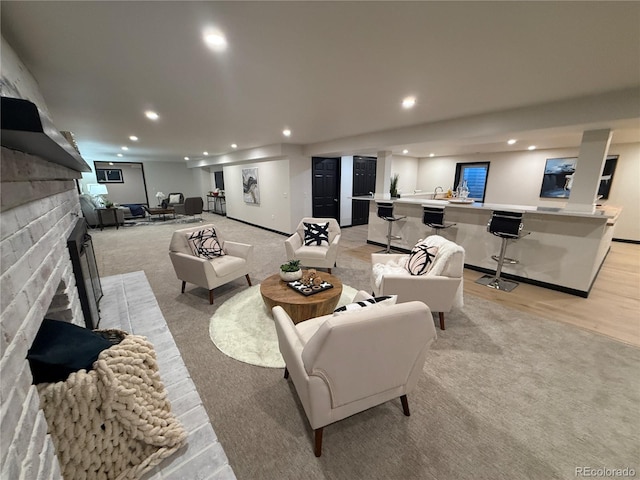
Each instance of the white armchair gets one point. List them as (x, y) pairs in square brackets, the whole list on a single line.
[(322, 256), (441, 288), (344, 364), (209, 273)]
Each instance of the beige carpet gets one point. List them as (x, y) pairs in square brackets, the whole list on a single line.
[(504, 395)]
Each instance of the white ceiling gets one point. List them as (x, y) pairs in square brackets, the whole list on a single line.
[(326, 70)]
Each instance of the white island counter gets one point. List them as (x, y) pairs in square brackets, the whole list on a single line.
[(564, 250)]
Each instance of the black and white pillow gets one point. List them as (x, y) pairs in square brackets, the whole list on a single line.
[(316, 234), (421, 259), (204, 243), (369, 302)]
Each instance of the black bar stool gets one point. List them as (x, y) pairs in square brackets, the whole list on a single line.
[(508, 226), (385, 212), (434, 217)]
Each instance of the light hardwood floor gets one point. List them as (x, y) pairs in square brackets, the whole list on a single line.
[(612, 309)]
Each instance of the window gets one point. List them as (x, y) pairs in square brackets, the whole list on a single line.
[(109, 176), (476, 176)]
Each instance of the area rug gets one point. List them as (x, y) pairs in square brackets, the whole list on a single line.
[(242, 328)]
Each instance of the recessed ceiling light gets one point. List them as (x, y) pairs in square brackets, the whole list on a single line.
[(151, 115), (205, 153), (119, 155), (133, 138), (511, 141), (124, 148), (432, 154), (186, 158), (405, 151), (408, 102), (531, 147), (286, 132), (233, 145), (215, 40), (110, 163)]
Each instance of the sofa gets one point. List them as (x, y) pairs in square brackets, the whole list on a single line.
[(90, 208)]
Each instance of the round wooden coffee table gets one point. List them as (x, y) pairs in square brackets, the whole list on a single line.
[(300, 307)]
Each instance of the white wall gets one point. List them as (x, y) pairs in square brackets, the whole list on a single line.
[(132, 190), (407, 170), (273, 212), (170, 177), (299, 190), (346, 190), (516, 177)]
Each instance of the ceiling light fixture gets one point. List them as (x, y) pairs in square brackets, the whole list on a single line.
[(151, 115), (405, 151), (111, 163), (511, 141), (408, 102), (531, 147), (215, 40), (124, 148), (233, 145), (205, 153), (432, 154), (133, 138), (186, 158), (119, 155), (286, 132)]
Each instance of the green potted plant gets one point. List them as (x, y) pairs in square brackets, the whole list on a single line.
[(108, 204), (291, 271), (393, 190)]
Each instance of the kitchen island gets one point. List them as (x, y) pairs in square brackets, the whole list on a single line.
[(562, 250)]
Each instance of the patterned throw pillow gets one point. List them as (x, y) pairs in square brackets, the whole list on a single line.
[(369, 302), (316, 234), (174, 198), (421, 259), (205, 244)]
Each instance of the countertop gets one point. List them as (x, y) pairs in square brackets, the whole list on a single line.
[(605, 211)]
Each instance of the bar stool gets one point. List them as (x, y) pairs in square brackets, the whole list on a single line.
[(385, 212), (508, 226), (434, 217)]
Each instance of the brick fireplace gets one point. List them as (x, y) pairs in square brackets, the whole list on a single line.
[(38, 208)]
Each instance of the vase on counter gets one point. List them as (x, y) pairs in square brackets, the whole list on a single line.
[(462, 190)]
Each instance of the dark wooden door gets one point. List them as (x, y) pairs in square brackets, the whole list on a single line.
[(364, 182), (326, 187)]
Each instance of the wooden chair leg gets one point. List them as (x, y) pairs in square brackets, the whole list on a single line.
[(441, 315), (286, 372), (184, 284), (329, 270), (211, 297), (248, 279), (318, 447), (405, 405)]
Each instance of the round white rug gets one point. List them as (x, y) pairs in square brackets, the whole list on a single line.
[(243, 328)]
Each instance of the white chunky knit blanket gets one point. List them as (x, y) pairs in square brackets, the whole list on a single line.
[(113, 422)]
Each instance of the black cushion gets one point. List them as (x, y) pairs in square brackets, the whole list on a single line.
[(61, 348)]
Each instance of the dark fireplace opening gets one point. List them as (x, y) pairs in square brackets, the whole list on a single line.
[(85, 270)]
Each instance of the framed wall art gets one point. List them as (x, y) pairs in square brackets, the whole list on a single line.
[(250, 187), (558, 177)]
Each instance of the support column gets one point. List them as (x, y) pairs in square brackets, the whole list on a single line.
[(586, 179), (383, 174)]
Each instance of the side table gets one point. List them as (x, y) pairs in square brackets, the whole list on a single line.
[(107, 216)]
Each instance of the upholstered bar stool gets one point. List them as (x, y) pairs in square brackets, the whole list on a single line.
[(434, 217), (508, 226), (385, 212)]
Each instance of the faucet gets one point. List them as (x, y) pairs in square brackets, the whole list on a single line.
[(435, 191)]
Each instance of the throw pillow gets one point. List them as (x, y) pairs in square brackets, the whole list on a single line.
[(204, 243), (61, 348), (369, 302), (316, 234), (421, 259), (174, 198)]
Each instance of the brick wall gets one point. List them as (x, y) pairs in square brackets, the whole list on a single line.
[(38, 208)]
